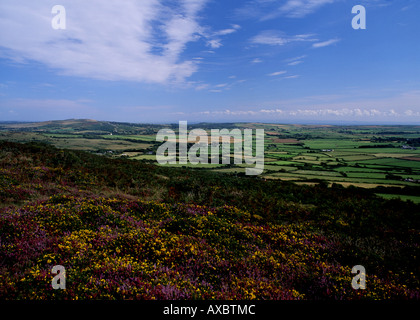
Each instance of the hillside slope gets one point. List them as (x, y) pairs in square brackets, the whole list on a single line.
[(129, 230)]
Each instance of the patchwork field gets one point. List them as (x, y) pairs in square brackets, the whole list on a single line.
[(370, 156)]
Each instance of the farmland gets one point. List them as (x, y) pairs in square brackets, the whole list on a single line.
[(362, 156)]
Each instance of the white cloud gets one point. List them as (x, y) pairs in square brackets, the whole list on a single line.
[(225, 32), (202, 86), (411, 113), (235, 27), (214, 43), (271, 9), (279, 111), (295, 63), (325, 43), (213, 38), (111, 40), (295, 60), (301, 8), (220, 87), (276, 73), (292, 77), (270, 39), (341, 112), (276, 38), (328, 108)]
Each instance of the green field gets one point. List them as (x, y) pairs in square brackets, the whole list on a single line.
[(415, 199)]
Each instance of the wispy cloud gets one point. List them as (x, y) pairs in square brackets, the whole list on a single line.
[(214, 38), (276, 73), (292, 77), (325, 43), (334, 107), (270, 9), (300, 8), (276, 38), (223, 32), (295, 63), (295, 60), (124, 40), (220, 87), (214, 43), (360, 113), (270, 38)]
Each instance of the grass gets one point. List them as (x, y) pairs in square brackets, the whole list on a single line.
[(317, 173), (99, 144), (354, 169), (285, 163), (62, 135), (145, 157), (395, 155), (331, 144), (366, 175), (190, 165), (357, 157), (391, 162), (415, 199), (389, 151), (130, 137)]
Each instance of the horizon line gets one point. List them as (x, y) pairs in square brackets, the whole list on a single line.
[(331, 123)]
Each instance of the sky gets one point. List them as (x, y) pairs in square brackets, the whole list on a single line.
[(160, 61)]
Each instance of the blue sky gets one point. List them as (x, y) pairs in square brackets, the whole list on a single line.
[(282, 61)]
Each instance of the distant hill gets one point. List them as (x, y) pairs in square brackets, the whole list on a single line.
[(76, 126), (69, 122), (90, 125)]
